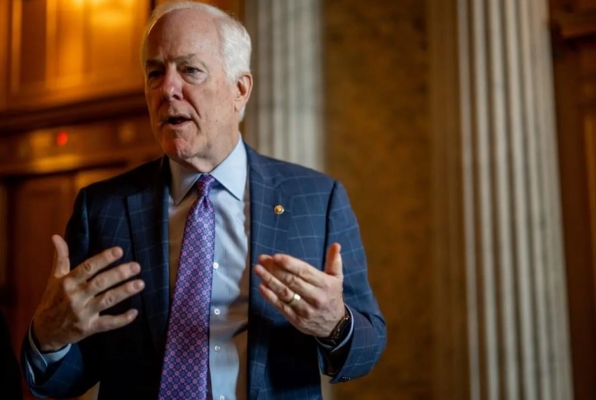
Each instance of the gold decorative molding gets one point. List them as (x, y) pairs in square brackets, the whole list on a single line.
[(27, 119), (63, 148)]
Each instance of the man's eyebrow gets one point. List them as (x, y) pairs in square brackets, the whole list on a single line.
[(177, 60), (188, 57), (153, 63)]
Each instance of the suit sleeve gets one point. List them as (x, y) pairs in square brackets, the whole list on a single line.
[(369, 332), (78, 371)]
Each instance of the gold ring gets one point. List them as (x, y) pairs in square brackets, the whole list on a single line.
[(295, 299)]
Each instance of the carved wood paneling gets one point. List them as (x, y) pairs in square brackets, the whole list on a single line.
[(3, 243), (40, 208), (571, 6), (68, 50), (116, 106), (574, 49), (572, 26), (66, 148), (3, 52), (581, 5), (233, 7)]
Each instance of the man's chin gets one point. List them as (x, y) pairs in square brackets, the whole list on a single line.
[(187, 158), (179, 156), (177, 148)]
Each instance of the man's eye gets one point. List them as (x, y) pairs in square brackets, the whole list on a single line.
[(191, 70), (153, 74)]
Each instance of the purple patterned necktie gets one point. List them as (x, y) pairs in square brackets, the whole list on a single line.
[(186, 361)]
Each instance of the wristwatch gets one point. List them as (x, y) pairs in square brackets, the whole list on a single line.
[(338, 333)]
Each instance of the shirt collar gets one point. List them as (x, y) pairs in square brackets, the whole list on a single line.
[(230, 173)]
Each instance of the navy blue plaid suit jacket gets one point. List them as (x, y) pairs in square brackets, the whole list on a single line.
[(131, 211)]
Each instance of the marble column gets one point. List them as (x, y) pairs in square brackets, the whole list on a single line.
[(500, 295), (284, 115)]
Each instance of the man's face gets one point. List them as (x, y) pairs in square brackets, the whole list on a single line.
[(192, 105)]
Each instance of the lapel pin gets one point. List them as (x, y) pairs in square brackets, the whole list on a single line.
[(278, 209)]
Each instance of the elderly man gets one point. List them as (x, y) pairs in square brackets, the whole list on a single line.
[(213, 272)]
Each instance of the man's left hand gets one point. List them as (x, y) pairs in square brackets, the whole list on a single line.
[(310, 299)]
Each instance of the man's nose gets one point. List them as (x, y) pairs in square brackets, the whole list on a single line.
[(171, 87)]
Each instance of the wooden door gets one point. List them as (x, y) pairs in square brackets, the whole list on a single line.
[(40, 207)]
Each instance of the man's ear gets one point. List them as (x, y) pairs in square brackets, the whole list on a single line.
[(243, 90)]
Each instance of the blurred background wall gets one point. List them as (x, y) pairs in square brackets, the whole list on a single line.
[(377, 114), (389, 98)]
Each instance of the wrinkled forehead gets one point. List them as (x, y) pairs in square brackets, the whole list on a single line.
[(190, 29)]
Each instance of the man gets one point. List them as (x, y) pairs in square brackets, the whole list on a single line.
[(214, 272)]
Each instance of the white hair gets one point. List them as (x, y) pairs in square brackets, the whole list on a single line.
[(235, 44)]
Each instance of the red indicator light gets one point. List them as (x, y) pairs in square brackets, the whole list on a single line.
[(62, 138)]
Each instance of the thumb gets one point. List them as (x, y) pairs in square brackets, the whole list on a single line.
[(333, 264), (61, 261)]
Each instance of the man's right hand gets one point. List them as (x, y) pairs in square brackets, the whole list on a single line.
[(70, 306)]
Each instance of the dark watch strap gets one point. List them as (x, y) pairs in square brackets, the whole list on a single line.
[(338, 333)]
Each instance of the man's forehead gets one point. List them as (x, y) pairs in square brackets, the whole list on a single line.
[(186, 22), (156, 61), (182, 32)]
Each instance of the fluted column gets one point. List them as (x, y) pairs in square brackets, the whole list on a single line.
[(501, 309), (284, 116)]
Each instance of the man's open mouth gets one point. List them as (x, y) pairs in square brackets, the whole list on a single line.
[(177, 120)]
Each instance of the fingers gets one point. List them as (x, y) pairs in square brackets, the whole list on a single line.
[(110, 322), (290, 269), (285, 275), (113, 277), (116, 295), (61, 261), (311, 299), (333, 263), (73, 300), (278, 303), (93, 265), (281, 291), (299, 275)]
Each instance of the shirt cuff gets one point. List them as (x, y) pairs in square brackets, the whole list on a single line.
[(332, 349), (41, 361)]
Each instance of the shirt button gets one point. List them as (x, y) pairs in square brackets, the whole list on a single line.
[(215, 265), (216, 311), (222, 397), (217, 348)]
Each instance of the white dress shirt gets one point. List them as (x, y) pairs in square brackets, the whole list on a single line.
[(229, 294), (228, 334)]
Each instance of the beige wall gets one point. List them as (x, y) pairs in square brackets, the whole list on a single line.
[(376, 99)]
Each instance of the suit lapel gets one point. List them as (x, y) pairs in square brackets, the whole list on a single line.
[(268, 235), (148, 214)]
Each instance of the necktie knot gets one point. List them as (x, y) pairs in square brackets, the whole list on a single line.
[(204, 185)]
